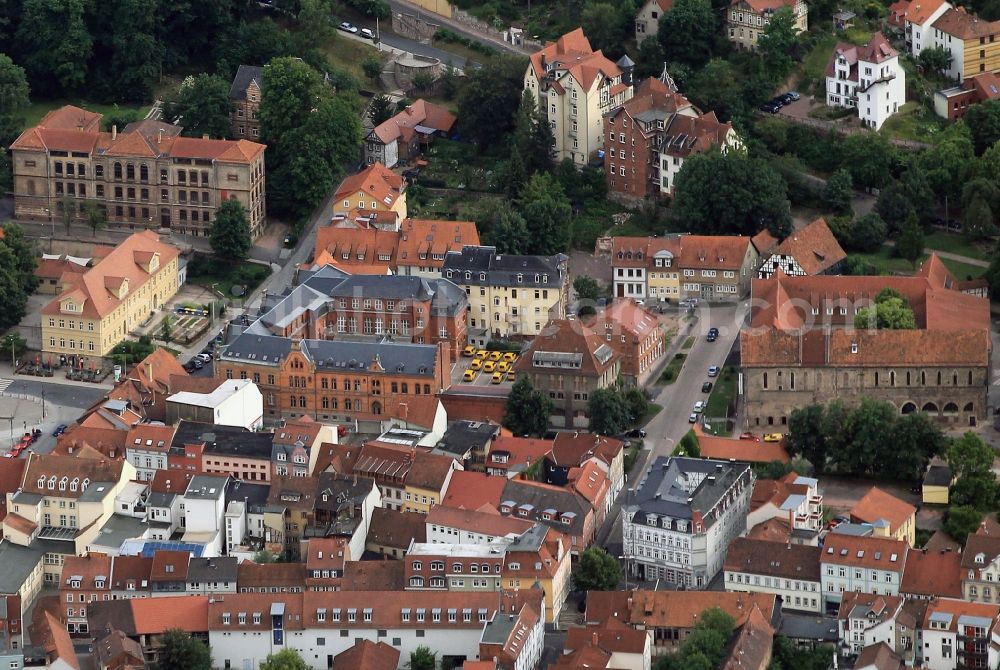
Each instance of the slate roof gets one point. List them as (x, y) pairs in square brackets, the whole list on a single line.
[(463, 436), (663, 491), (244, 75), (541, 497), (218, 439), (502, 269), (218, 569)]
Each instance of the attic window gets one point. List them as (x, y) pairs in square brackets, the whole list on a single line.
[(854, 347)]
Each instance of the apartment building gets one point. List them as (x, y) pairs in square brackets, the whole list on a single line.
[(374, 383), (679, 267), (146, 448), (376, 193), (509, 295), (981, 567), (575, 86), (957, 634), (145, 176), (680, 521), (559, 508), (793, 499), (412, 480), (634, 332), (86, 579), (789, 571), (747, 20), (244, 102), (569, 361), (864, 564), (970, 41), (918, 20), (96, 310), (941, 367), (865, 619), (869, 79)]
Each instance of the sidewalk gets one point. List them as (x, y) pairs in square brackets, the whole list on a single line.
[(958, 258)]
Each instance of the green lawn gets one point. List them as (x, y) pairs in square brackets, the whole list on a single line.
[(913, 122), (814, 63), (348, 54), (38, 109), (956, 243), (688, 343), (722, 394), (652, 409), (887, 263), (205, 271), (669, 375), (963, 271)]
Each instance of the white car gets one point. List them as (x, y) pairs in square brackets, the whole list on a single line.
[(203, 357), (348, 27), (368, 34), (713, 371), (693, 418), (699, 407)]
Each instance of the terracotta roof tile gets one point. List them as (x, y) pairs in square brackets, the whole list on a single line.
[(877, 505), (393, 528), (56, 468), (759, 557), (374, 575), (772, 530), (472, 490), (487, 521), (135, 569), (170, 566), (266, 575), (920, 11), (727, 448), (507, 452), (375, 181), (933, 574), (570, 336), (673, 609), (420, 113), (153, 616), (367, 655), (879, 657), (752, 646), (814, 248)]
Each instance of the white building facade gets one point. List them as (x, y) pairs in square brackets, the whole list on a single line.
[(869, 79)]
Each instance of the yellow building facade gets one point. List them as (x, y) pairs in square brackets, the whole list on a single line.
[(99, 308), (375, 190)]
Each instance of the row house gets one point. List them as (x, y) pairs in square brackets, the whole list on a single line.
[(866, 619), (204, 507), (244, 518), (514, 641), (747, 20), (510, 456), (147, 620), (418, 248), (169, 572), (331, 305), (683, 516), (868, 78), (625, 647), (635, 333), (209, 576), (369, 384), (558, 508), (146, 448), (509, 295), (325, 558), (450, 525), (569, 361), (981, 566), (791, 572), (932, 573), (271, 577), (86, 579), (576, 449), (164, 503), (679, 267), (228, 450), (941, 367), (404, 137), (958, 634), (244, 629), (411, 480), (344, 509), (670, 616), (130, 577), (147, 175), (864, 564), (574, 86), (295, 438)]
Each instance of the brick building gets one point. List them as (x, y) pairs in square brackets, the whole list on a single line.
[(244, 102), (634, 332), (144, 176)]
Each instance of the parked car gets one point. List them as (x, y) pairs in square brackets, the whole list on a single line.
[(699, 407), (713, 371), (713, 331), (706, 387), (348, 27), (60, 429), (636, 432), (771, 107), (367, 33), (792, 95), (711, 337), (693, 418), (774, 437), (204, 357), (750, 437), (197, 363)]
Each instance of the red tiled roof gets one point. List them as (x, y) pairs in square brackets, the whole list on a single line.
[(570, 336), (877, 505), (521, 451), (673, 609), (760, 557), (920, 11), (420, 113), (420, 240), (150, 437), (170, 566), (873, 553), (87, 568), (958, 22), (612, 636), (487, 521), (367, 655), (170, 481), (375, 181), (153, 616), (936, 574), (257, 575), (752, 646), (127, 569), (11, 473), (374, 575), (472, 490), (726, 448), (573, 53), (57, 467), (394, 528), (813, 247)]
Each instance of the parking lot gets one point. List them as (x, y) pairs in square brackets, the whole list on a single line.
[(481, 377)]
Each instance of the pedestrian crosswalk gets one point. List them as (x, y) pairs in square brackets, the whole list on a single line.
[(4, 383)]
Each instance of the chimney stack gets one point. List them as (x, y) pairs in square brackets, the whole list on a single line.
[(159, 136)]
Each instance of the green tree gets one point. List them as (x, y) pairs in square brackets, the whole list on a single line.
[(533, 136), (231, 238), (508, 232), (12, 347), (381, 109), (894, 206), (607, 26), (180, 651), (597, 570), (289, 92), (527, 411), (730, 194), (717, 87), (807, 435), (66, 208), (890, 314), (948, 163), (13, 99), (489, 99), (422, 81), (839, 190), (649, 58), (96, 217), (449, 81), (587, 288), (992, 274), (315, 27), (983, 122), (868, 233), (869, 157), (969, 456), (687, 32), (372, 67), (779, 42), (286, 659), (547, 212), (166, 333), (977, 220), (54, 45), (637, 403), (422, 658), (201, 106), (608, 411), (934, 59), (919, 192), (977, 491), (961, 521), (688, 446), (6, 172), (910, 245), (25, 260), (915, 439)]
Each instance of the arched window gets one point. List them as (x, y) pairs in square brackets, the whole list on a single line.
[(908, 408), (929, 407), (954, 379), (765, 380), (923, 378), (130, 171), (939, 378), (376, 408), (950, 408), (144, 173), (892, 378), (417, 581), (907, 377), (326, 403), (969, 407)]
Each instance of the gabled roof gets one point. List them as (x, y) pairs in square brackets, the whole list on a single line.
[(170, 566), (874, 553), (426, 242), (878, 656), (959, 23), (417, 116), (96, 473), (877, 507), (751, 647), (570, 449), (920, 11), (673, 609), (813, 247), (472, 490), (486, 520), (367, 655), (376, 181), (760, 557), (153, 616), (395, 528), (933, 574), (875, 51), (568, 341), (244, 75), (628, 315), (573, 54)]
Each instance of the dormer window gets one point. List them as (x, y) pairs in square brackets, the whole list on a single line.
[(75, 484), (52, 482), (980, 558)]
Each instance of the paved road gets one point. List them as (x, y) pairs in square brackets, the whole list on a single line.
[(403, 7), (65, 395), (421, 49)]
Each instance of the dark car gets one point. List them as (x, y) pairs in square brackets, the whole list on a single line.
[(197, 363), (637, 432), (771, 107), (706, 387), (60, 429), (713, 331)]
